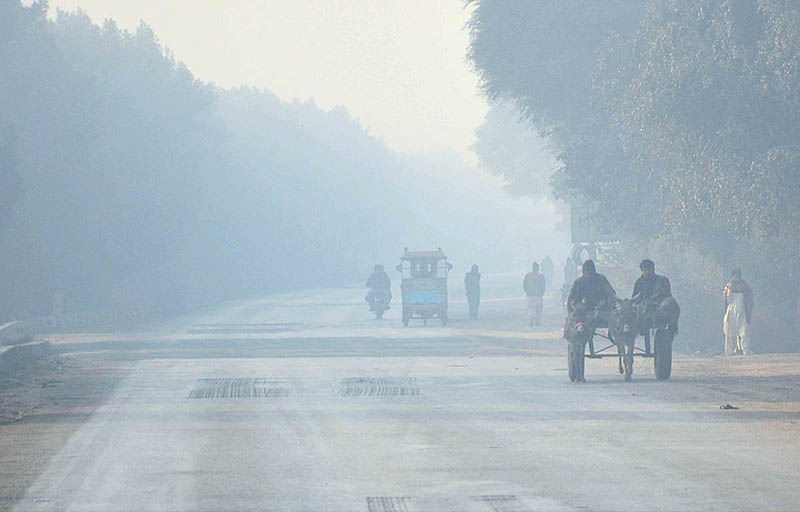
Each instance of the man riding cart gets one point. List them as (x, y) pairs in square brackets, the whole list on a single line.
[(652, 313), (593, 291), (654, 291)]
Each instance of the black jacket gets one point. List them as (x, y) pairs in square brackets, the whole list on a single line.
[(379, 281), (595, 290), (654, 289)]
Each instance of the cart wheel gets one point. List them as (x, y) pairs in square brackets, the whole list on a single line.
[(662, 363)]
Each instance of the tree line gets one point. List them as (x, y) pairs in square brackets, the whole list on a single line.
[(127, 182), (682, 118)]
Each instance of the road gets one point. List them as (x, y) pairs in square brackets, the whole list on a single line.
[(301, 402)]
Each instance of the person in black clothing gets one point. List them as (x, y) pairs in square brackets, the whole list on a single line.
[(651, 287), (592, 289), (379, 283), (655, 290), (590, 301), (472, 283)]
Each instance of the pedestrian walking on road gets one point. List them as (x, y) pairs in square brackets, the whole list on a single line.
[(534, 285), (472, 283), (738, 315)]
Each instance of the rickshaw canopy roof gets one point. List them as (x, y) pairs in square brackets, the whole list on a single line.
[(423, 255)]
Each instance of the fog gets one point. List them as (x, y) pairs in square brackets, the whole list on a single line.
[(133, 184), (196, 197), (184, 156), (678, 122)]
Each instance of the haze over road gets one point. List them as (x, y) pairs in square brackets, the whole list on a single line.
[(302, 402)]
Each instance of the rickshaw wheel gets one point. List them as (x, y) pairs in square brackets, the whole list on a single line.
[(444, 319)]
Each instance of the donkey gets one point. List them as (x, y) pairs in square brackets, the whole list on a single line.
[(627, 321), (578, 330)]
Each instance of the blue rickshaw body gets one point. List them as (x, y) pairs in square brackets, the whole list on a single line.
[(424, 285)]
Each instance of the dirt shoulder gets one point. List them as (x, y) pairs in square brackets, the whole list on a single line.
[(41, 405)]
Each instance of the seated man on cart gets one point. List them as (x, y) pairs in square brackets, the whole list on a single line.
[(654, 290), (594, 291)]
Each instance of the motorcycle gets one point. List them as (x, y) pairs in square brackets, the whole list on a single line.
[(378, 303)]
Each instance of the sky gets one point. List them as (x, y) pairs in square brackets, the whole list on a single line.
[(399, 66)]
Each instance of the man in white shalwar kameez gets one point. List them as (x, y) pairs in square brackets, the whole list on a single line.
[(738, 315)]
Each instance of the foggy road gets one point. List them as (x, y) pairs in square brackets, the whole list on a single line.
[(304, 403), (193, 196)]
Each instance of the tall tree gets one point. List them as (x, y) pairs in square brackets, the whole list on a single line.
[(508, 147), (9, 179), (543, 55), (680, 116)]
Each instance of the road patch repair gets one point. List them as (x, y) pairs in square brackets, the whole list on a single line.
[(242, 387), (374, 386)]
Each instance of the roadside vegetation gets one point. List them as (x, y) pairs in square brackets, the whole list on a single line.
[(682, 119), (126, 184)]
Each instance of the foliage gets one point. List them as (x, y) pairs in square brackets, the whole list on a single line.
[(9, 180), (686, 112), (710, 113), (543, 56), (507, 147), (140, 186)]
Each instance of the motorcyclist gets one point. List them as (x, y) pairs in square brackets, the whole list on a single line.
[(380, 285)]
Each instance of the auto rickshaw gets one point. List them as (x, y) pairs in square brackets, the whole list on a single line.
[(424, 285)]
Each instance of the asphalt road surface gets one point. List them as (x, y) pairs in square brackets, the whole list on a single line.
[(304, 403)]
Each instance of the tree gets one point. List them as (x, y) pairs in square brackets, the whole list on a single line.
[(705, 96), (9, 179), (507, 147), (680, 116), (543, 56)]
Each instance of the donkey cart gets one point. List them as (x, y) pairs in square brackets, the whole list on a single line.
[(621, 329)]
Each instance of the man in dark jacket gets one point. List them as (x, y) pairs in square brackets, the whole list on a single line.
[(651, 287), (534, 285), (472, 283), (593, 289), (655, 290), (379, 283)]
